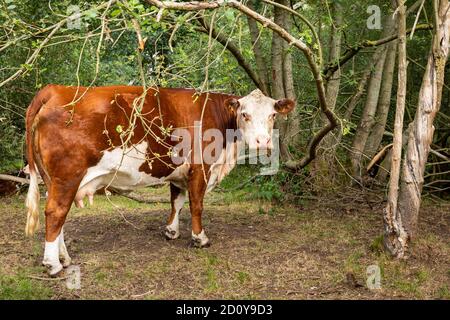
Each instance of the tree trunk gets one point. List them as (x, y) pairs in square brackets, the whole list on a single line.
[(293, 125), (367, 118), (401, 217), (384, 102), (278, 82), (332, 86), (261, 64)]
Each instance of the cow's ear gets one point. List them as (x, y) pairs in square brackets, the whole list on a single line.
[(284, 106), (232, 104)]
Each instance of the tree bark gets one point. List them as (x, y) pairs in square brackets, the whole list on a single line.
[(402, 211)]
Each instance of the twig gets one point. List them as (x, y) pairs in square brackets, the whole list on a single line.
[(33, 57), (142, 294), (47, 279)]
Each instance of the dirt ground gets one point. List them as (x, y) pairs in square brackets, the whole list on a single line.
[(318, 249)]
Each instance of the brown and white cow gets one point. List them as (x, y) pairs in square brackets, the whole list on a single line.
[(83, 139)]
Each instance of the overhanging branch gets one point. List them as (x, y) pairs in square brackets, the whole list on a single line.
[(312, 146)]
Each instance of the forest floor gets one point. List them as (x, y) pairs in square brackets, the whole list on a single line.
[(319, 248)]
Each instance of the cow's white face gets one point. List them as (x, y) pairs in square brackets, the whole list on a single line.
[(256, 114)]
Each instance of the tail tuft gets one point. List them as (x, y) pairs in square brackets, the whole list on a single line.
[(32, 203)]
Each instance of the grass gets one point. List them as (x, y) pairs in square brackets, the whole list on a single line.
[(19, 287), (210, 261), (242, 277)]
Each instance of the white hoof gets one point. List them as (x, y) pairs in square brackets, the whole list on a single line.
[(53, 268), (200, 240), (171, 234)]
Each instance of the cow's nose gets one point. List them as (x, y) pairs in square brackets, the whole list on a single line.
[(263, 141)]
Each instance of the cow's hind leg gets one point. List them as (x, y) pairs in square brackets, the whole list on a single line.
[(177, 198), (59, 200), (197, 189)]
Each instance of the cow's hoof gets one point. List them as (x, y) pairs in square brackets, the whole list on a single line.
[(53, 269), (171, 234), (200, 240), (66, 261)]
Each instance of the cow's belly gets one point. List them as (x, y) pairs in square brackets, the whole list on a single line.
[(118, 169)]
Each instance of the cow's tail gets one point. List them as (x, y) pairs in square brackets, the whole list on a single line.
[(32, 203), (32, 200)]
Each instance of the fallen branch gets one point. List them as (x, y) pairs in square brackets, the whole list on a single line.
[(379, 157), (47, 279), (8, 177), (144, 200)]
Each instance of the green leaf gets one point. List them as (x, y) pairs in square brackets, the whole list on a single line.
[(90, 14), (115, 13)]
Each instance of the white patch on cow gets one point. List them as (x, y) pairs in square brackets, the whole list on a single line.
[(173, 229), (51, 257), (200, 240), (179, 176), (63, 253), (119, 169)]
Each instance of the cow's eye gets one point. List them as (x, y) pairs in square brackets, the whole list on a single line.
[(272, 116), (246, 116)]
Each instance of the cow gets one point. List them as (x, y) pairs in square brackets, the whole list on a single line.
[(81, 139)]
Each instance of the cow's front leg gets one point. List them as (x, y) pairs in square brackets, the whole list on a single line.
[(197, 188), (177, 198)]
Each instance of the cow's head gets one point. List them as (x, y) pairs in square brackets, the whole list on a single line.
[(255, 114)]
